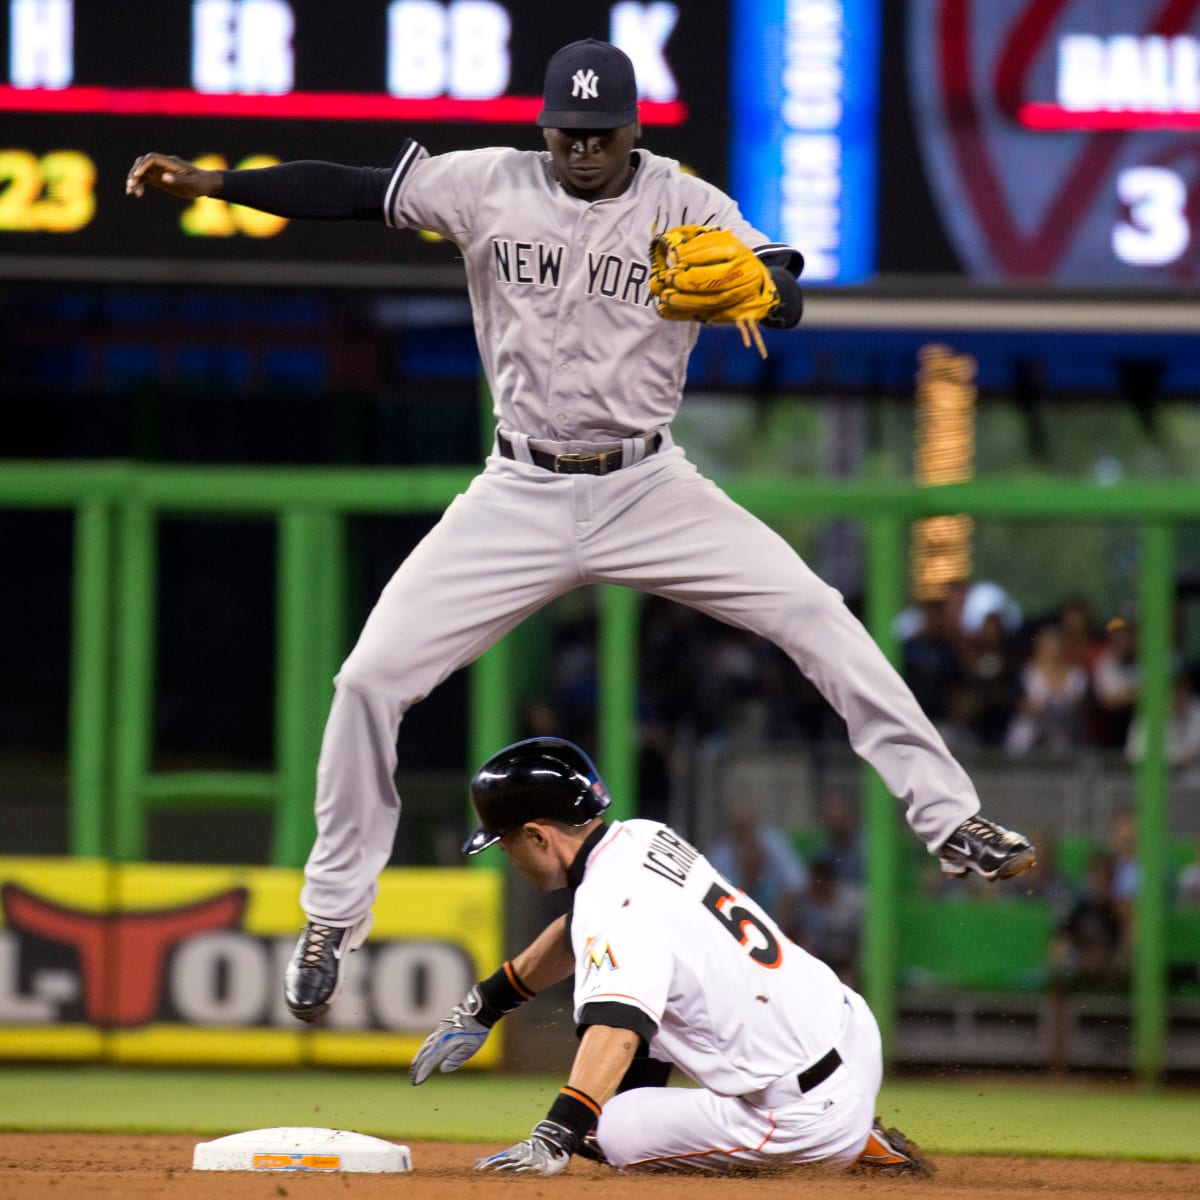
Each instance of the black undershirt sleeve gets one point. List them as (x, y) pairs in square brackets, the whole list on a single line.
[(617, 1016), (790, 308), (322, 191)]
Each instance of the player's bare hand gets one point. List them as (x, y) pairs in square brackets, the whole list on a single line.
[(170, 174)]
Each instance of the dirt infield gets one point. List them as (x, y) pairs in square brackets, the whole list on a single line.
[(65, 1166)]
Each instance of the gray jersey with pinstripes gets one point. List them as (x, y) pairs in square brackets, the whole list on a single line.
[(570, 341)]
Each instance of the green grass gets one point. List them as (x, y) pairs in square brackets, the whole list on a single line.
[(1026, 1116), (1044, 1117), (467, 1107)]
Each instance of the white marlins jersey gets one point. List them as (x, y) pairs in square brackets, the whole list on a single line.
[(564, 319), (732, 1002)]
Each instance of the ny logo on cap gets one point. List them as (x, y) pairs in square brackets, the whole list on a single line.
[(583, 84)]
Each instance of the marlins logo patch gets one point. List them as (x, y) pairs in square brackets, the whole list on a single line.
[(599, 955)]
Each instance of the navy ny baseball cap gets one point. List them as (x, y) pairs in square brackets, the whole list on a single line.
[(589, 85)]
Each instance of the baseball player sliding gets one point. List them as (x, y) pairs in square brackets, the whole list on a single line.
[(788, 1059), (590, 266)]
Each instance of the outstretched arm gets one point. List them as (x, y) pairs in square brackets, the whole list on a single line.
[(308, 188), (548, 959)]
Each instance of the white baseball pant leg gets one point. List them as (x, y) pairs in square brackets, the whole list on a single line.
[(501, 551), (693, 1129)]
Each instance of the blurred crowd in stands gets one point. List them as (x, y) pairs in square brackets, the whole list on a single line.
[(989, 678), (1052, 686), (992, 681), (817, 893)]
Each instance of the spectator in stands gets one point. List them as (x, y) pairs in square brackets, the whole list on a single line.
[(735, 659), (1049, 716), (1122, 843), (571, 696), (685, 679), (1045, 881), (840, 842), (1116, 677), (831, 920), (931, 667), (1081, 641), (966, 605), (1184, 966), (795, 710), (991, 682), (1090, 948), (1187, 885), (538, 719), (1183, 732), (762, 861), (979, 600)]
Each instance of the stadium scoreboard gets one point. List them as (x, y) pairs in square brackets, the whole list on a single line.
[(995, 144), (243, 83), (1059, 137)]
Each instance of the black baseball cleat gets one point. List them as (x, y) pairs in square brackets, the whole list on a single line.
[(987, 849), (312, 976), (889, 1152)]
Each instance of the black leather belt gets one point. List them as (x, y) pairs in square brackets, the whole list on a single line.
[(819, 1071), (578, 464)]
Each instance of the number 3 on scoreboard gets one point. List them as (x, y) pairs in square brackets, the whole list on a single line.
[(52, 194), (1155, 231)]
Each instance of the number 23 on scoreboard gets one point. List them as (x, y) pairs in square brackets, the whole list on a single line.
[(55, 193)]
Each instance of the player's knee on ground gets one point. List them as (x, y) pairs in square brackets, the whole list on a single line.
[(617, 1131), (627, 1136)]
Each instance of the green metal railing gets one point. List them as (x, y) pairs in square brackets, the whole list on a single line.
[(116, 510)]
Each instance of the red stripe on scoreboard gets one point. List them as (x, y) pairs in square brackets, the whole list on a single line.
[(1055, 117), (309, 106)]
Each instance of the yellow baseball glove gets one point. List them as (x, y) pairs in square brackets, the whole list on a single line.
[(701, 273)]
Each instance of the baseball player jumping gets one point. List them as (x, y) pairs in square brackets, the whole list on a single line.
[(788, 1059), (590, 265)]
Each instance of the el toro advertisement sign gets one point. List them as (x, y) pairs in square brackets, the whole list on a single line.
[(171, 963)]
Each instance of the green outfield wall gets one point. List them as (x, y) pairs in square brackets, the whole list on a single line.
[(117, 506)]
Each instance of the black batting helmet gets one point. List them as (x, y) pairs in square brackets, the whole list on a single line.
[(542, 778)]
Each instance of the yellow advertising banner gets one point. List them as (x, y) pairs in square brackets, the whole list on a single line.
[(53, 956), (170, 963)]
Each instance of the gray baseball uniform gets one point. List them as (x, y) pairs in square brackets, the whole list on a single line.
[(579, 362)]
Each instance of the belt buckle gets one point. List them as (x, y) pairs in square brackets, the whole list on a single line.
[(577, 464)]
